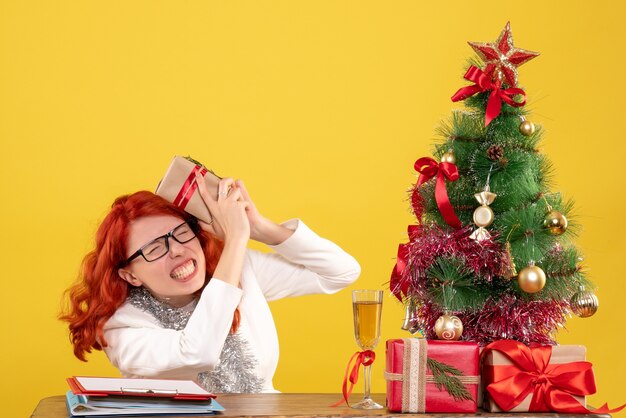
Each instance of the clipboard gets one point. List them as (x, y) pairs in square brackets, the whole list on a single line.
[(155, 388), (109, 406)]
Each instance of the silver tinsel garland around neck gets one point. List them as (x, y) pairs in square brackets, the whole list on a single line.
[(235, 371)]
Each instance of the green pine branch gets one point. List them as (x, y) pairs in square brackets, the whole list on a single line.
[(445, 377), (188, 158), (453, 286), (196, 162), (564, 272), (463, 127), (519, 176)]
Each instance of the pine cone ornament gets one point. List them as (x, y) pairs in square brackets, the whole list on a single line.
[(495, 153)]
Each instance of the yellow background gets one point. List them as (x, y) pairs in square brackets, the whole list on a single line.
[(322, 107)]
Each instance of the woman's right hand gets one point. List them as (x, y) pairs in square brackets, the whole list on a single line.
[(229, 220)]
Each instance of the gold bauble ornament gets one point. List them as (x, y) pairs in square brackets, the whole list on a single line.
[(448, 157), (531, 279), (448, 327), (584, 303), (527, 128), (555, 222)]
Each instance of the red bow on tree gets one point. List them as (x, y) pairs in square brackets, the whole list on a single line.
[(482, 82), (397, 285), (428, 168), (553, 386)]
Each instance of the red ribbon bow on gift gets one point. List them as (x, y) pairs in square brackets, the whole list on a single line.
[(553, 386), (365, 358), (482, 82), (428, 168)]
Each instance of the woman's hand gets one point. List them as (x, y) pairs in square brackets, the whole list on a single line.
[(261, 228), (230, 221)]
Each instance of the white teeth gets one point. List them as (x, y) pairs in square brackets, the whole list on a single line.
[(183, 271)]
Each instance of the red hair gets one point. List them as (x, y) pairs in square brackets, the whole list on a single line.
[(99, 290)]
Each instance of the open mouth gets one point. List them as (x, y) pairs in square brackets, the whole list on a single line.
[(184, 271)]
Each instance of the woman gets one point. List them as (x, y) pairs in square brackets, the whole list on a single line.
[(167, 296)]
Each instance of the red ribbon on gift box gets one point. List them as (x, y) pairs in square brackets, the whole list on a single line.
[(553, 386), (428, 168), (189, 187), (482, 82)]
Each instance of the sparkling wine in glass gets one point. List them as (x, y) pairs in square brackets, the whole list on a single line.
[(367, 307)]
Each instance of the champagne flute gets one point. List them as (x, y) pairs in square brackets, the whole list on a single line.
[(367, 306)]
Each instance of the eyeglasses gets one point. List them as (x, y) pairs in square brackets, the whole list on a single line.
[(160, 246)]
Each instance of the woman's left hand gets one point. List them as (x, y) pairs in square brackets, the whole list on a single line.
[(261, 228)]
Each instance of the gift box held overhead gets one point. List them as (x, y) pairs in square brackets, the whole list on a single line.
[(179, 186), (431, 376)]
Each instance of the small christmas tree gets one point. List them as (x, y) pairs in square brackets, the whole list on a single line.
[(491, 256)]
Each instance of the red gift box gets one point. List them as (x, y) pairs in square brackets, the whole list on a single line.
[(411, 384)]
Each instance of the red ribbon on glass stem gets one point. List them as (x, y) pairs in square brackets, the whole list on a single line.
[(428, 168), (553, 386), (365, 358), (482, 82)]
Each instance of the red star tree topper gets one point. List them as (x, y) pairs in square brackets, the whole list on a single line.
[(502, 57)]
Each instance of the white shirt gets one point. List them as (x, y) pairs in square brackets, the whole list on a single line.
[(303, 264)]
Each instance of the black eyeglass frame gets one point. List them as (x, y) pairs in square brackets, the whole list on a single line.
[(193, 225)]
